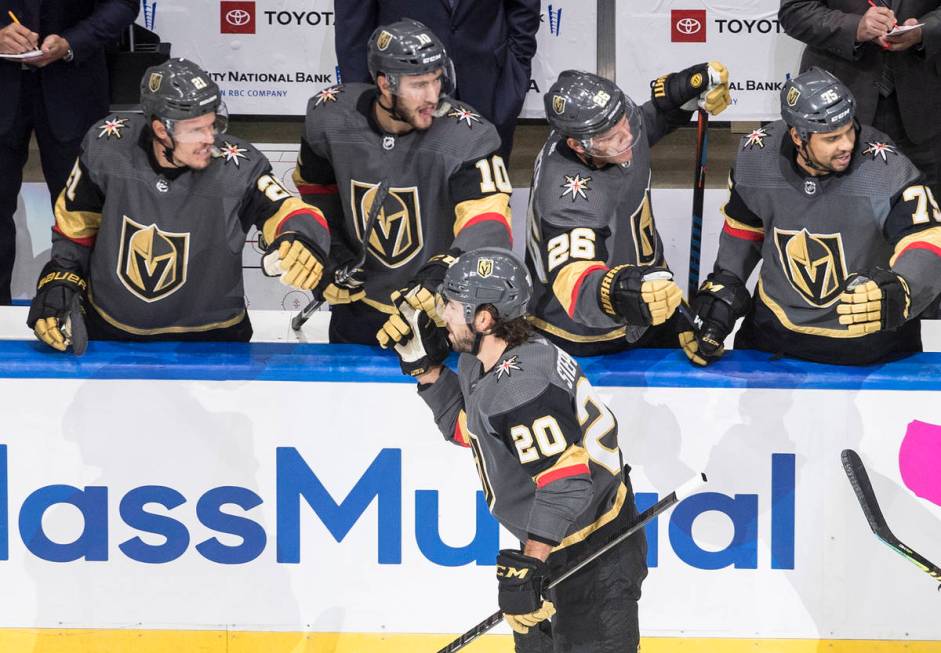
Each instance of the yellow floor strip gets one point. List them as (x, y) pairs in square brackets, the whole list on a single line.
[(24, 640)]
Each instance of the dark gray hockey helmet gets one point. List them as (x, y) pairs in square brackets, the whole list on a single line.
[(489, 275), (178, 89), (583, 105), (816, 102), (407, 47)]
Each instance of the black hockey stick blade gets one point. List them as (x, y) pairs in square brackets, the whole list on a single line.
[(382, 190), (642, 520), (859, 479)]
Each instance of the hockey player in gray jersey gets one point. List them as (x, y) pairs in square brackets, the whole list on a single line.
[(547, 453), (601, 283), (847, 234), (449, 190), (151, 225)]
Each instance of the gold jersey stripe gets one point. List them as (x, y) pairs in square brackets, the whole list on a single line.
[(790, 326), (76, 224), (163, 330), (568, 279), (470, 209), (606, 518), (574, 455), (735, 224), (388, 309), (542, 325), (931, 237)]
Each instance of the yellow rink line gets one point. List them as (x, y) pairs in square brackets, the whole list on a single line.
[(75, 640)]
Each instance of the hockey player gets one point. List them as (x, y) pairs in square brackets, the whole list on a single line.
[(547, 453), (601, 283), (847, 233), (449, 191), (151, 224)]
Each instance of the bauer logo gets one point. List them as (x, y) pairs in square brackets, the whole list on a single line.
[(237, 17), (688, 25), (230, 519)]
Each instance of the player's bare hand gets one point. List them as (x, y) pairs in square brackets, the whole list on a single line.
[(904, 41), (16, 39), (54, 47), (875, 23)]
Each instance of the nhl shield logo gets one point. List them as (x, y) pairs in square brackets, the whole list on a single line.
[(484, 267), (558, 104), (397, 237), (156, 79), (152, 263), (814, 264), (793, 95), (383, 41)]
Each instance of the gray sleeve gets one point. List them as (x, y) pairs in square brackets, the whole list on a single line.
[(814, 23), (446, 401), (556, 506), (658, 124)]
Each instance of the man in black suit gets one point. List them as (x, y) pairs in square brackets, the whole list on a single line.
[(58, 94), (896, 78), (491, 42)]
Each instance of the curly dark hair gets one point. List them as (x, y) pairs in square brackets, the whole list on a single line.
[(514, 332)]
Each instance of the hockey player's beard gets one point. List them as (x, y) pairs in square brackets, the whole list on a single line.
[(464, 342)]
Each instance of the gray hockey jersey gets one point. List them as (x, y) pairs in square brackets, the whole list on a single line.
[(810, 233), (584, 220), (163, 252), (544, 444), (448, 188)]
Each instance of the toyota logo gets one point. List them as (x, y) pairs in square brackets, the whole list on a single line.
[(238, 17), (688, 26)]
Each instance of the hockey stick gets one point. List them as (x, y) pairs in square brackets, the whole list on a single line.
[(643, 518), (699, 190), (859, 479), (343, 275)]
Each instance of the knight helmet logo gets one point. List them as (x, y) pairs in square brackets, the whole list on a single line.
[(814, 264), (558, 104), (154, 82), (484, 267), (152, 263), (793, 95), (383, 41)]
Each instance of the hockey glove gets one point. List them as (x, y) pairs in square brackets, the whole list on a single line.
[(56, 314), (721, 300), (296, 260), (877, 301), (346, 287), (705, 85), (426, 348), (421, 291), (519, 593), (639, 295)]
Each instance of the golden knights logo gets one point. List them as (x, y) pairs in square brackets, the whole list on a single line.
[(152, 263), (397, 236), (154, 82), (558, 104), (813, 263), (484, 267), (793, 95), (644, 233), (383, 41)]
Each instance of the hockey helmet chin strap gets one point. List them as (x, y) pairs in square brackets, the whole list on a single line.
[(804, 152)]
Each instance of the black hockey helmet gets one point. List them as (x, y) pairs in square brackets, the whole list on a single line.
[(816, 102), (489, 275), (583, 105), (178, 89), (407, 47)]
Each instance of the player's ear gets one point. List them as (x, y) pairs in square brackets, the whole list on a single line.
[(159, 129), (574, 145), (382, 83), (484, 320), (794, 136)]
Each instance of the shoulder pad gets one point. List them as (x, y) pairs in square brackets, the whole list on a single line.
[(462, 132), (568, 193), (881, 158), (114, 133), (237, 155), (756, 163), (523, 374), (333, 108)]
